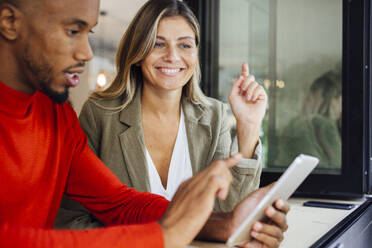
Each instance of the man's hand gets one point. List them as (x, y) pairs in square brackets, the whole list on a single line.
[(193, 202), (267, 233)]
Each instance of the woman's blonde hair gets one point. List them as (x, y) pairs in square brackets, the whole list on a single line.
[(137, 43)]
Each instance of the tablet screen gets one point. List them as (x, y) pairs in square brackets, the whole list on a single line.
[(291, 179)]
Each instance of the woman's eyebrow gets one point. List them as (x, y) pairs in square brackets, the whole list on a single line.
[(186, 38), (160, 37), (180, 38)]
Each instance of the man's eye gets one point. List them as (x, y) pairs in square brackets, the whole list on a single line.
[(72, 32)]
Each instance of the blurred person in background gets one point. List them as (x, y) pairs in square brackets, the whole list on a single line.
[(316, 130)]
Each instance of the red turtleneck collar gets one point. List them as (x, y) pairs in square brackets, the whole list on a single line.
[(15, 103)]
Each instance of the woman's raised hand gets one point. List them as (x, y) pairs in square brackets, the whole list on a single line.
[(248, 99)]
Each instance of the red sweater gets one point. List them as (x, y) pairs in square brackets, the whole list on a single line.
[(44, 153)]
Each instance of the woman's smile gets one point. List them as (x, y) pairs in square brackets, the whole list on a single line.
[(173, 59)]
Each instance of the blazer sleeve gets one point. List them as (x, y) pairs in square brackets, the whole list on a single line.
[(246, 175), (71, 215)]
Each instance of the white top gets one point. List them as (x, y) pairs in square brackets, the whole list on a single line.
[(179, 169)]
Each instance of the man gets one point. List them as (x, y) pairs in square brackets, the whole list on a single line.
[(43, 47)]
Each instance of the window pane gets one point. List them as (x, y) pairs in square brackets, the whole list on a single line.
[(294, 49)]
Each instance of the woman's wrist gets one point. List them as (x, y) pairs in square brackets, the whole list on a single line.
[(248, 135), (249, 123)]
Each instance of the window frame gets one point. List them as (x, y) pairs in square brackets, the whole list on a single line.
[(355, 179)]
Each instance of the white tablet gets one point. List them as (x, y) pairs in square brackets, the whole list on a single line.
[(296, 173)]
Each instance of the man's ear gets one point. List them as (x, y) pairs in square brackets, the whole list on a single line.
[(10, 20)]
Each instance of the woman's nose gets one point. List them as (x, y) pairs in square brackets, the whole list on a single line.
[(172, 54)]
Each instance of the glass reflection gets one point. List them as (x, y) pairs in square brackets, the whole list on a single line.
[(294, 49)]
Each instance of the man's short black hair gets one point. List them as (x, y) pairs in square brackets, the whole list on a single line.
[(12, 2)]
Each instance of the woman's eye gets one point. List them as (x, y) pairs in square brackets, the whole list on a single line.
[(159, 45), (185, 46)]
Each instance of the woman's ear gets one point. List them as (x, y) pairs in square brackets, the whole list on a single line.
[(10, 21)]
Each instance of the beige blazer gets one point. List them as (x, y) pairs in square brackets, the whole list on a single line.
[(117, 139)]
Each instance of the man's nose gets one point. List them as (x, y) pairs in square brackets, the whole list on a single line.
[(84, 51)]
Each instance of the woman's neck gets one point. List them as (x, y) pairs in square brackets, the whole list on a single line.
[(161, 103)]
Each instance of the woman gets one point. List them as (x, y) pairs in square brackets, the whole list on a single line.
[(317, 131), (153, 127)]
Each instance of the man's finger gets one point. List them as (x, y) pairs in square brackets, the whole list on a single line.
[(270, 230), (233, 160), (224, 190), (253, 244), (266, 239), (282, 205), (215, 187), (277, 217)]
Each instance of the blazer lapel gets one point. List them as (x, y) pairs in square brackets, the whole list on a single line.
[(133, 145), (199, 134)]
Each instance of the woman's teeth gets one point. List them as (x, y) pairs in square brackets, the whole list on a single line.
[(170, 71)]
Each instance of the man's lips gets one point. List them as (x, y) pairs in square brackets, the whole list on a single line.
[(72, 77)]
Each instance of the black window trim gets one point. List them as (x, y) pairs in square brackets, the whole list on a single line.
[(355, 179)]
